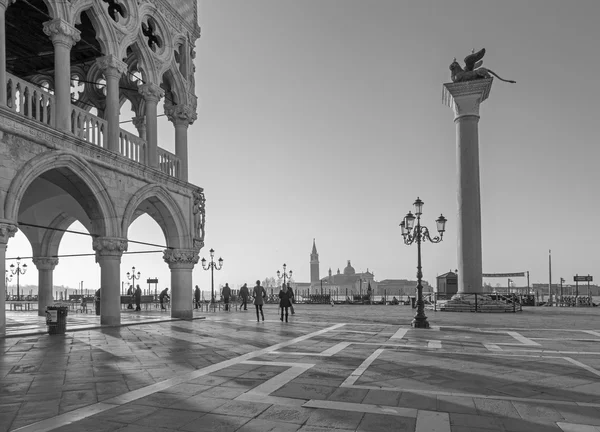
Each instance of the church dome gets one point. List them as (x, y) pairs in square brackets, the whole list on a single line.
[(349, 270)]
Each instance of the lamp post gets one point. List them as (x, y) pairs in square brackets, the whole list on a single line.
[(132, 276), (18, 270), (212, 266), (561, 290), (418, 235), (285, 275)]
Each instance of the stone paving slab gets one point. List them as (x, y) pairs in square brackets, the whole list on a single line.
[(352, 368)]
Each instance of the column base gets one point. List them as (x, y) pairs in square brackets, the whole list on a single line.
[(182, 314), (420, 322), (110, 320)]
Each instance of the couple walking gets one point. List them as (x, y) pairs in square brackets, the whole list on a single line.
[(286, 296)]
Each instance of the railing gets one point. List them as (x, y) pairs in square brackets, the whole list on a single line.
[(132, 147), (88, 127), (168, 162), (30, 100)]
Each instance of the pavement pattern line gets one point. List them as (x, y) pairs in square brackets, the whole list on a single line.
[(572, 427), (432, 421), (434, 344), (327, 353), (522, 339), (400, 333), (90, 410), (361, 369), (583, 365), (364, 408), (592, 332)]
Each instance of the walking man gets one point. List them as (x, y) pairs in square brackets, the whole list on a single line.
[(285, 301), (164, 293), (138, 298), (130, 292), (259, 294), (197, 297), (226, 293), (289, 287), (244, 295)]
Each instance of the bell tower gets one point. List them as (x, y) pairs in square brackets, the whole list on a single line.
[(314, 265)]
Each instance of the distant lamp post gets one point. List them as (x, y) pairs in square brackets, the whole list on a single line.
[(418, 234), (285, 275), (18, 270), (130, 276), (508, 283), (561, 289), (212, 266)]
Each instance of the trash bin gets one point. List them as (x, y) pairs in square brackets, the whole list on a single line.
[(412, 302), (56, 319)]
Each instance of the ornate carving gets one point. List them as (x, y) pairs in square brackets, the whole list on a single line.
[(151, 92), (61, 32), (184, 258), (180, 114), (109, 246), (45, 263), (110, 64), (473, 70), (7, 231), (199, 215), (466, 97)]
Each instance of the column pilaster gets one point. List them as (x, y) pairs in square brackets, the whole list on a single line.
[(182, 116), (465, 98), (112, 68), (152, 93), (108, 255), (181, 262), (7, 230), (4, 4), (63, 36), (45, 268)]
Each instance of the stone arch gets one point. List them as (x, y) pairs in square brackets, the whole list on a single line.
[(175, 85), (105, 222), (164, 210), (52, 238)]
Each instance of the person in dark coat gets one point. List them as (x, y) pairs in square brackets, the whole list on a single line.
[(138, 298), (97, 301), (285, 301), (291, 299), (197, 297), (244, 293), (130, 292), (259, 293), (164, 294), (226, 293)]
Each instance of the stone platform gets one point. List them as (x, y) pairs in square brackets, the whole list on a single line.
[(342, 368), (472, 303)]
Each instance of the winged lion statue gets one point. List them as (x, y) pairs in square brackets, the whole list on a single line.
[(473, 70)]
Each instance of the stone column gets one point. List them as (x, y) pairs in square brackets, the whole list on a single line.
[(3, 5), (152, 93), (7, 230), (465, 98), (108, 254), (181, 262), (63, 36), (112, 68), (45, 268), (181, 116)]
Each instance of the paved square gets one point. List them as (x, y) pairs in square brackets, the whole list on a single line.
[(343, 368)]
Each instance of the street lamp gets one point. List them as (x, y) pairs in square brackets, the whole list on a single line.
[(18, 271), (419, 234), (285, 275), (131, 276), (212, 266)]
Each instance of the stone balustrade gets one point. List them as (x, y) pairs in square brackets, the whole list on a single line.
[(30, 100)]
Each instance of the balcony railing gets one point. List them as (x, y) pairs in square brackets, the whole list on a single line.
[(37, 103)]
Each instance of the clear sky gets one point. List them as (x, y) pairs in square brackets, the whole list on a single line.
[(324, 119)]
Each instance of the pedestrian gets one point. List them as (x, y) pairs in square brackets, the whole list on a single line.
[(130, 294), (197, 297), (97, 301), (244, 295), (164, 293), (284, 301), (289, 287), (226, 293), (138, 298), (259, 294)]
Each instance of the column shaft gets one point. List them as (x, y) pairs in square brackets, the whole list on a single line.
[(2, 54), (152, 132), (181, 293), (181, 148), (45, 267), (110, 296), (112, 109)]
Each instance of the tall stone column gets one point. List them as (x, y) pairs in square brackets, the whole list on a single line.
[(112, 68), (45, 268), (465, 98), (108, 254), (63, 36), (152, 93), (182, 117), (3, 5), (7, 230), (181, 262)]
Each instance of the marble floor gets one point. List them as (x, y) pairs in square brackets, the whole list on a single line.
[(342, 368)]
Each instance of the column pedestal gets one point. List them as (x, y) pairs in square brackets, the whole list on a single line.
[(181, 262), (108, 254), (465, 98), (7, 230), (45, 268)]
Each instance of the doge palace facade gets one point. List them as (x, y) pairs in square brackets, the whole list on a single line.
[(67, 68)]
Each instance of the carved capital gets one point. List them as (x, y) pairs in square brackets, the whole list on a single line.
[(181, 114), (6, 3), (62, 33), (111, 65), (139, 122), (7, 231), (45, 263), (109, 247), (151, 92), (466, 97), (181, 258)]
